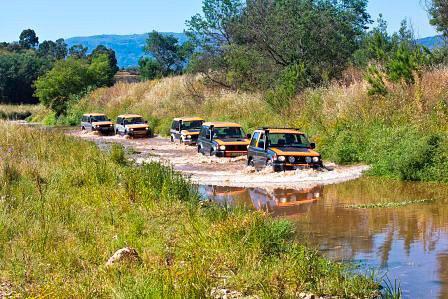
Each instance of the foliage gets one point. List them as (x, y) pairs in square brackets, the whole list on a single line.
[(168, 57), (77, 51), (54, 50), (28, 39), (18, 71), (439, 13), (64, 212), (112, 62), (321, 36), (71, 77)]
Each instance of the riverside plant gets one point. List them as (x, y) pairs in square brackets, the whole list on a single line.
[(402, 134), (67, 207)]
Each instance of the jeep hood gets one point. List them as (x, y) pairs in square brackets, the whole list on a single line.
[(141, 126), (232, 141), (294, 151), (102, 123), (190, 132)]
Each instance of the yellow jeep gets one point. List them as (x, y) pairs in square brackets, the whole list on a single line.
[(222, 139), (97, 122), (186, 129), (282, 149)]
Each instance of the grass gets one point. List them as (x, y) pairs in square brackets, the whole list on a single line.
[(401, 135), (18, 112), (66, 207), (391, 204)]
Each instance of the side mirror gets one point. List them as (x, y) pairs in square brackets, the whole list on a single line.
[(312, 145), (146, 121), (261, 144), (109, 119), (248, 136)]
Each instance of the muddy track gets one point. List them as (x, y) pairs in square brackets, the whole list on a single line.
[(232, 172)]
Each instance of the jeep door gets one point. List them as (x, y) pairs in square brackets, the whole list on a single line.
[(119, 127), (175, 130), (88, 125), (252, 150), (261, 156)]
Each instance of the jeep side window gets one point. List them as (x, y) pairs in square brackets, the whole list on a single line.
[(207, 134), (119, 121), (261, 141), (254, 140), (203, 131), (174, 125)]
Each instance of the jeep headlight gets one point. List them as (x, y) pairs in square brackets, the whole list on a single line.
[(131, 130), (281, 158), (188, 136), (315, 159), (308, 159), (291, 159), (222, 147)]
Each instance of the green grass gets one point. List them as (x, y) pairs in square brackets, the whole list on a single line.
[(402, 135), (66, 207), (18, 112), (391, 204)]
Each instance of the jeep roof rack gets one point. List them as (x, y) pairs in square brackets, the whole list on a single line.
[(272, 128)]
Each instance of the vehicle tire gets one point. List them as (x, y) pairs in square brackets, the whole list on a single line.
[(212, 152), (200, 151), (251, 163), (83, 129), (172, 138), (269, 164)]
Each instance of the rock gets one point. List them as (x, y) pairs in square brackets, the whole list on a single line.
[(222, 293), (126, 254)]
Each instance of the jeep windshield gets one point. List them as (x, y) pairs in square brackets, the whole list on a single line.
[(288, 140), (192, 125), (228, 132), (134, 121), (98, 118)]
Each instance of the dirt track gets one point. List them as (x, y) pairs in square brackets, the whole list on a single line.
[(233, 172)]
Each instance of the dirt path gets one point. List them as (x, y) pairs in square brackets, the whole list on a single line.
[(233, 172)]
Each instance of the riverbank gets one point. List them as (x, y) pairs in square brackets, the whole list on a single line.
[(66, 207), (401, 135), (205, 170)]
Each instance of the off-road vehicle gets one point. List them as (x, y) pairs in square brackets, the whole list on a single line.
[(97, 122), (186, 129), (222, 139), (132, 125), (282, 149)]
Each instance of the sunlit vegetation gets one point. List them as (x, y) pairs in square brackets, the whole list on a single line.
[(66, 207)]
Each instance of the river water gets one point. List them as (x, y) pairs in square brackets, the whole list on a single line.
[(408, 243)]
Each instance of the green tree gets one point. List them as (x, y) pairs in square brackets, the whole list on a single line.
[(112, 59), (54, 50), (28, 39), (319, 35), (78, 51), (18, 71), (72, 77), (169, 56), (439, 13), (150, 69)]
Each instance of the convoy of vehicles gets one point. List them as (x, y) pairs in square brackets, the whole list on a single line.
[(186, 129), (278, 148), (97, 122), (132, 125), (222, 139)]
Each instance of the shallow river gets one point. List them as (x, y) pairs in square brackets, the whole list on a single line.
[(408, 243)]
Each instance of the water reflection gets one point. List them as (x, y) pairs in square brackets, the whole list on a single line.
[(410, 242)]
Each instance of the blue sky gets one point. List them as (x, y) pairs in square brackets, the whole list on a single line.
[(52, 19)]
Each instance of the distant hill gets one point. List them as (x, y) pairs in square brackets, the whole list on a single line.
[(128, 48), (431, 42)]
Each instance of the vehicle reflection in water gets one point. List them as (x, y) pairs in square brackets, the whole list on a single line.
[(409, 243), (277, 202)]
